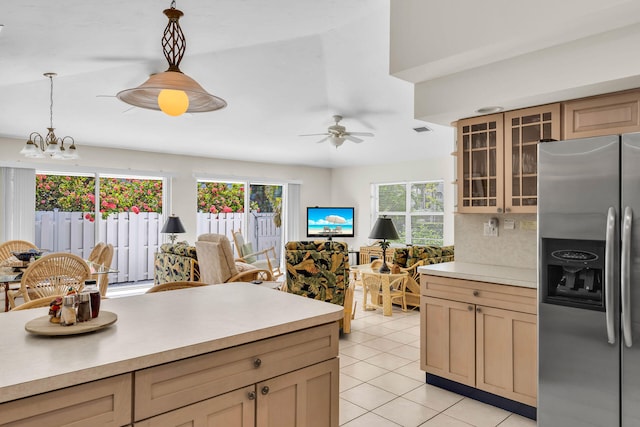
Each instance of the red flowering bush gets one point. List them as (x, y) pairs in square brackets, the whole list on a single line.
[(77, 194)]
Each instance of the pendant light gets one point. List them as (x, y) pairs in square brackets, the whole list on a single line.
[(51, 145), (172, 91)]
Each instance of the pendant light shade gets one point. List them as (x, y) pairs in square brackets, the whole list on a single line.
[(172, 91)]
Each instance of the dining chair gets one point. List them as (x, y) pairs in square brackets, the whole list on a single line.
[(104, 262), (170, 286), (54, 274), (36, 303), (375, 284), (14, 246), (95, 253)]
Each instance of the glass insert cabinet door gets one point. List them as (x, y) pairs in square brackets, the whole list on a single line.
[(480, 164), (523, 131)]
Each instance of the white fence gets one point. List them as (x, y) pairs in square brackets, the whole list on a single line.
[(136, 237)]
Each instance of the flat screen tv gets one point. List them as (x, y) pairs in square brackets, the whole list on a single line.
[(329, 222)]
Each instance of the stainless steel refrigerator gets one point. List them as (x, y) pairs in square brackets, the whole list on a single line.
[(589, 282)]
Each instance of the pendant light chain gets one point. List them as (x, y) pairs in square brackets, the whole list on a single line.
[(51, 103)]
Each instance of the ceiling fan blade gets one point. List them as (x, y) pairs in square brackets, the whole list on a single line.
[(352, 138), (361, 133), (315, 134), (322, 140)]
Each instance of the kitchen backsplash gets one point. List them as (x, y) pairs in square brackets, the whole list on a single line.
[(512, 247)]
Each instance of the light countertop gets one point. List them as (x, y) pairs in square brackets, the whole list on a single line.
[(151, 329), (524, 277)]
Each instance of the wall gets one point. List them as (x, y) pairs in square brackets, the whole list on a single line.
[(352, 187), (182, 171), (512, 248)]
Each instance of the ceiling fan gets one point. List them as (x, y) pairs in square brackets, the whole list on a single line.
[(337, 134)]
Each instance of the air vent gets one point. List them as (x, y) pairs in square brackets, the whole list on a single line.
[(422, 129)]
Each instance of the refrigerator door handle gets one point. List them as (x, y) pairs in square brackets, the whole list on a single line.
[(626, 276), (609, 275)]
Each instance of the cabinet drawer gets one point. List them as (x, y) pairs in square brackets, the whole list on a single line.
[(488, 294), (101, 403), (173, 385)]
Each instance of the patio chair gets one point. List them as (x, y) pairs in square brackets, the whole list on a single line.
[(105, 260), (96, 251), (217, 264), (36, 303), (51, 275), (173, 286), (248, 255)]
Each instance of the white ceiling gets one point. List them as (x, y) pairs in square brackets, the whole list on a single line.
[(284, 67)]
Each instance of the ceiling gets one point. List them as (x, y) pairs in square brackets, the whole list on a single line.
[(285, 67)]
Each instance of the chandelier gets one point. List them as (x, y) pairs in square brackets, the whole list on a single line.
[(51, 145), (172, 91)]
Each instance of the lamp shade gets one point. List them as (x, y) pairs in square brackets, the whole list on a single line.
[(173, 225), (383, 229)]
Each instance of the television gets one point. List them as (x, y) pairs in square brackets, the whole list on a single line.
[(330, 222)]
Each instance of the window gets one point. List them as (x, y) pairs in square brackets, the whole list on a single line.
[(416, 208)]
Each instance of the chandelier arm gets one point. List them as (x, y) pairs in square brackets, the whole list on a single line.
[(37, 139)]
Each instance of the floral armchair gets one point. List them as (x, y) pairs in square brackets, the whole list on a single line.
[(411, 257), (176, 263), (320, 270)]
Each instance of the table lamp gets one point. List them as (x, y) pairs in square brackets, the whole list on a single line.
[(385, 230), (173, 226)]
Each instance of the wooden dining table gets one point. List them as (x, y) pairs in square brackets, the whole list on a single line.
[(385, 279)]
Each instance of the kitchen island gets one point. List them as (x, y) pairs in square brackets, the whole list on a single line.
[(232, 350), (478, 332)]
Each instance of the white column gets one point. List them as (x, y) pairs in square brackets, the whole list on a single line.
[(17, 207)]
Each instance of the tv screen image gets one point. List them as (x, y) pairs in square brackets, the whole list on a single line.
[(329, 222)]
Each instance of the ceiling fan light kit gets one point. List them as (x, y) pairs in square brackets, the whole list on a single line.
[(172, 91), (50, 145), (337, 134)]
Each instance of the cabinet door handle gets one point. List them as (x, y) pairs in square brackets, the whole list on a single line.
[(251, 395), (264, 390), (470, 307), (499, 210), (478, 310), (476, 293), (507, 210), (257, 363)]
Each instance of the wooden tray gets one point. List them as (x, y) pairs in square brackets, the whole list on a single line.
[(42, 326)]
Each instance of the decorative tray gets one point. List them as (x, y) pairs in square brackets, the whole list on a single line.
[(42, 326)]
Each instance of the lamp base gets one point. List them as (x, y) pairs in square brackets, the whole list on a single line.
[(384, 268)]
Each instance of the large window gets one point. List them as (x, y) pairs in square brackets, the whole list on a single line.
[(416, 208)]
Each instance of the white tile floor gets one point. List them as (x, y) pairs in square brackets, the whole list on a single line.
[(381, 383)]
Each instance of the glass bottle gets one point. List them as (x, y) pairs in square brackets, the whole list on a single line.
[(84, 307), (91, 287)]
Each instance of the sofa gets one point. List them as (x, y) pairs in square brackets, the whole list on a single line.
[(176, 263), (320, 270), (411, 257)]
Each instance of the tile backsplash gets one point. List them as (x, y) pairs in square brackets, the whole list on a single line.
[(512, 248)]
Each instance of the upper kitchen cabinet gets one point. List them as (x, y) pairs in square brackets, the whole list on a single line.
[(497, 159), (609, 114), (480, 164), (523, 130)]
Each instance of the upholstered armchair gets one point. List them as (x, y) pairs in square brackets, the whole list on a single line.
[(176, 263), (411, 257), (320, 270), (217, 265)]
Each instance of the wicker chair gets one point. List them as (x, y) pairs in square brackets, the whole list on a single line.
[(14, 246), (173, 286), (105, 259), (95, 253), (36, 303), (52, 275), (373, 283), (247, 254)]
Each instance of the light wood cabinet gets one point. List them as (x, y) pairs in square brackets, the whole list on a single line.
[(523, 131), (609, 114), (101, 403), (497, 159), (480, 334), (306, 397)]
